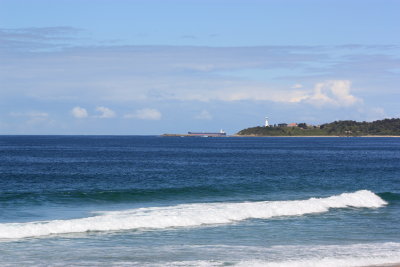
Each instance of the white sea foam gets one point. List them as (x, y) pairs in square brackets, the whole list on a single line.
[(60, 254), (187, 215), (317, 262), (325, 262), (295, 256)]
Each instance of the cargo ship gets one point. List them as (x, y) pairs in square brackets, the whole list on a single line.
[(200, 134), (207, 134)]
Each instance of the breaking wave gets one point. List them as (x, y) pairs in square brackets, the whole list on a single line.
[(190, 215)]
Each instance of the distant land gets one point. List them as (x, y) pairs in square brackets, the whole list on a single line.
[(386, 127)]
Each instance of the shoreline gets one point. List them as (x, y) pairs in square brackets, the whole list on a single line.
[(364, 136), (294, 136)]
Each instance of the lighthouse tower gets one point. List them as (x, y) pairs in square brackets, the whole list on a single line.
[(266, 122)]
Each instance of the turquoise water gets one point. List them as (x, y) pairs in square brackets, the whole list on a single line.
[(168, 201)]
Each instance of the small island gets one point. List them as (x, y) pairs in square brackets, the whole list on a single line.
[(386, 127)]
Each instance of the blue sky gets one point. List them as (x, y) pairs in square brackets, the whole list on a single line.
[(150, 67)]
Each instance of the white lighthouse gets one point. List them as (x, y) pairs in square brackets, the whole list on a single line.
[(266, 122)]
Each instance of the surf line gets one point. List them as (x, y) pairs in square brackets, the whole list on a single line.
[(190, 215)]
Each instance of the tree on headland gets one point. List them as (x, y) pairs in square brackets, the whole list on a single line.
[(337, 128)]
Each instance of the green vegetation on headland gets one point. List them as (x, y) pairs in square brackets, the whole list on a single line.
[(386, 127)]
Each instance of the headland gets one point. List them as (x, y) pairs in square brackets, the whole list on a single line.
[(348, 128)]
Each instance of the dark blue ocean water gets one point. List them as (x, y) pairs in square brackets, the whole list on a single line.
[(156, 201)]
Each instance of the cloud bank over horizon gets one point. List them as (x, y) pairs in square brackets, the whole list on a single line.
[(58, 79)]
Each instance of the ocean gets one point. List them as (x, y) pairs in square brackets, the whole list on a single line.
[(171, 201)]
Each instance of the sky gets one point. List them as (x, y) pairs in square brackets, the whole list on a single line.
[(145, 67)]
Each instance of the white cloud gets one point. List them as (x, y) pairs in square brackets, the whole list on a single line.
[(105, 112), (231, 90), (380, 112), (334, 92), (193, 74), (33, 117), (145, 114), (297, 86), (371, 114), (166, 69), (32, 114), (79, 112), (204, 115)]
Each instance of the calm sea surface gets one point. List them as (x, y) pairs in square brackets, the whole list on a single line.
[(170, 201)]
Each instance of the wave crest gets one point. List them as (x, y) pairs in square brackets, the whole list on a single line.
[(189, 215)]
